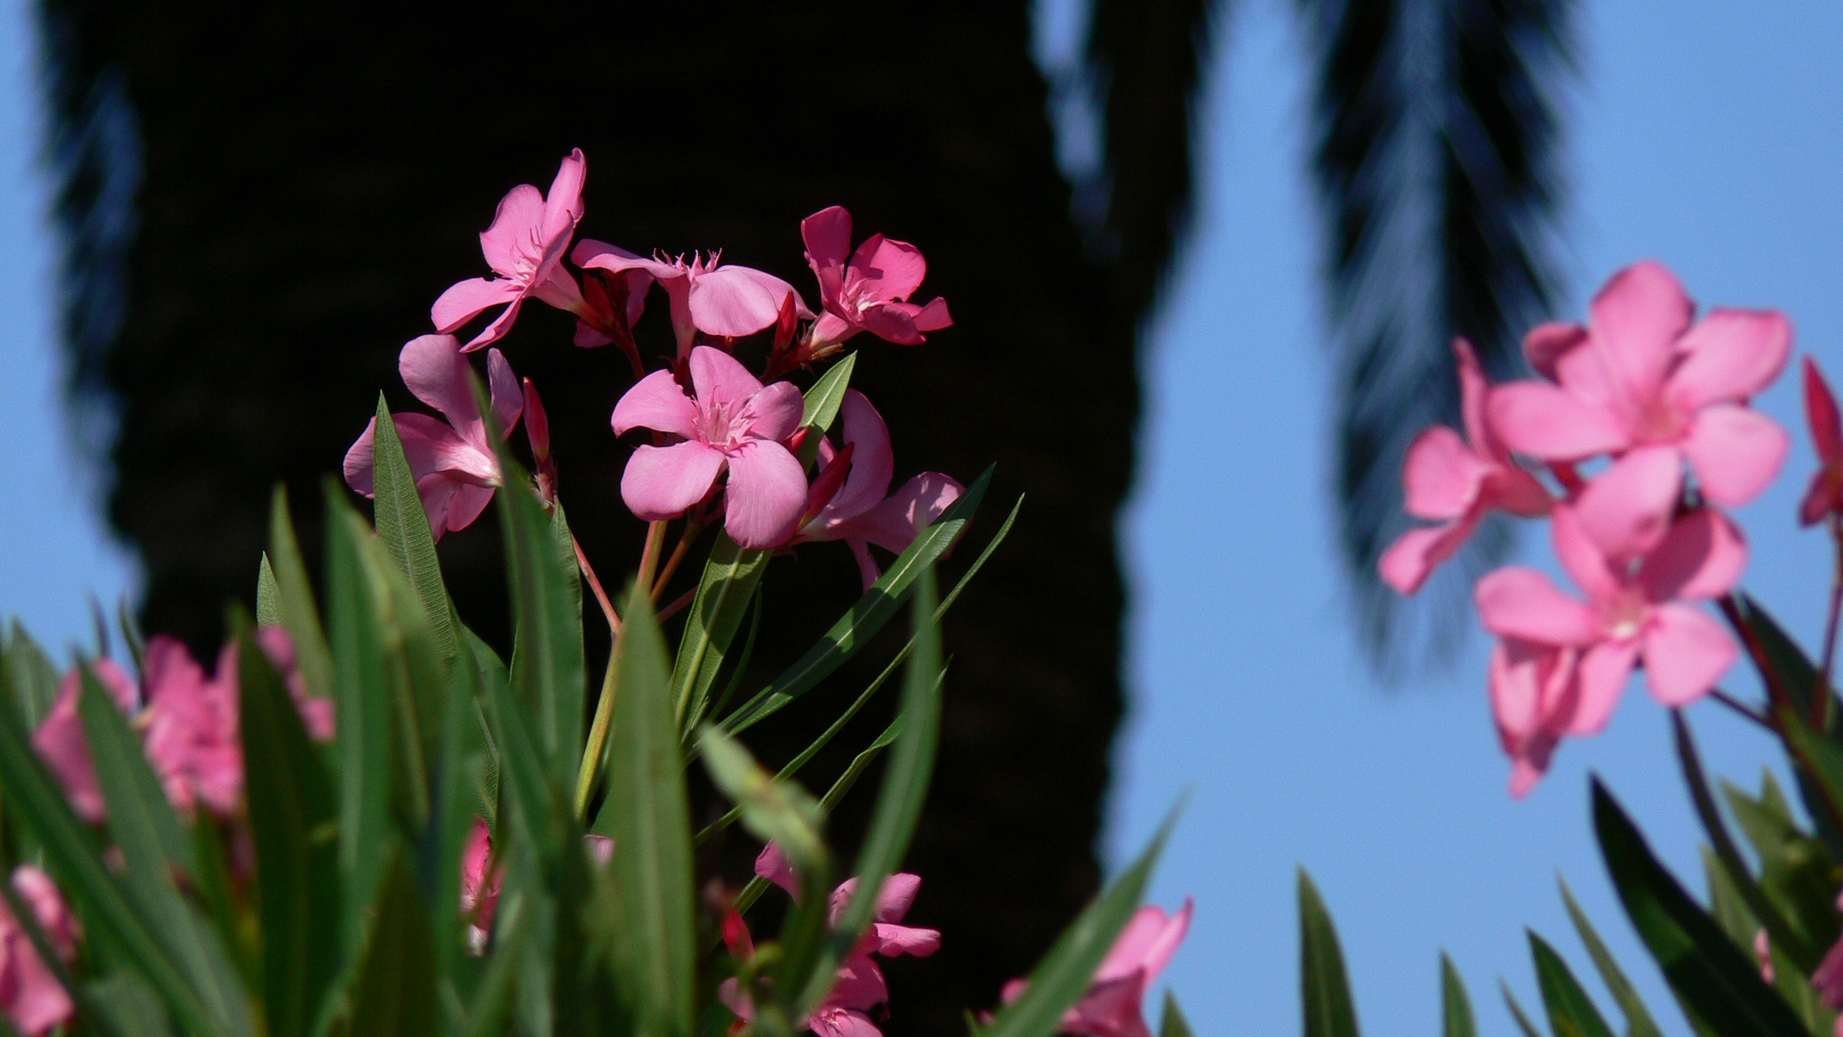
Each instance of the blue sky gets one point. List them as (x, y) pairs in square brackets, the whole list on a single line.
[(1705, 134)]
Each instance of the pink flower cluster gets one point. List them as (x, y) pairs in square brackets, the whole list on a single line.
[(718, 430), (1113, 1005), (1642, 422), (187, 720), (30, 994)]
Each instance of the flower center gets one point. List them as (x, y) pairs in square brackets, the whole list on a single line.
[(1626, 614)]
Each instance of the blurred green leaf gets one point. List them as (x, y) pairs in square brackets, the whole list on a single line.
[(395, 991), (1819, 766), (403, 529), (358, 619), (1455, 1006), (905, 787), (461, 762), (1524, 1026), (1638, 1022), (1715, 981), (729, 581), (1790, 677), (1172, 1023), (293, 826), (822, 403), (268, 595), (1324, 986), (128, 1007), (648, 817), (1063, 975), (872, 611), (296, 595), (1571, 1011), (131, 632), (1797, 874), (773, 809), (1791, 670), (34, 680)]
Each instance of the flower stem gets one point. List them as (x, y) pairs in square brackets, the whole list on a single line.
[(678, 604), (649, 557), (692, 530), (604, 706), (588, 573)]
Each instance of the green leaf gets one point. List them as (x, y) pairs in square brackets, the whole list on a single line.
[(126, 1004), (729, 581), (1173, 1023), (155, 845), (773, 808), (822, 403), (395, 992), (359, 620), (867, 617), (1819, 761), (314, 659), (268, 595), (648, 817), (294, 826), (33, 679), (75, 860), (403, 529), (1797, 874), (1527, 1028), (1571, 1011), (1455, 1006), (1063, 975), (1638, 1022), (905, 787), (1789, 668), (1714, 979), (1324, 987), (131, 632), (548, 672)]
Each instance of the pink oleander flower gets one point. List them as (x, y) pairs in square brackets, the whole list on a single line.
[(316, 713), (1825, 496), (525, 247), (60, 743), (479, 897), (862, 511), (870, 290), (1827, 978), (733, 423), (1112, 1005), (30, 994), (1635, 610), (454, 465), (1763, 954), (1456, 482), (1645, 384), (724, 301), (1535, 702), (860, 986)]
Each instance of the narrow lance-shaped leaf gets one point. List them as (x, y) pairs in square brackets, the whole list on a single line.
[(1172, 1023), (1638, 1022), (648, 817), (403, 529), (395, 994), (296, 595), (1455, 1005), (31, 677), (1571, 1011), (729, 581), (268, 595), (1324, 986)]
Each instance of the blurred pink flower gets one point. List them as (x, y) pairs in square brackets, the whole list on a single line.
[(869, 291), (1535, 701), (734, 423), (1457, 481), (60, 743), (479, 897), (1643, 383), (1635, 611), (859, 512), (1825, 495), (725, 301), (525, 247), (454, 465), (1827, 978), (190, 727), (316, 713), (1112, 1005), (33, 999)]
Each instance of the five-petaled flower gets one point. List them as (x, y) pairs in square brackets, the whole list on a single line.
[(525, 247), (732, 423), (1645, 384), (867, 290), (724, 301), (1455, 482), (453, 463), (1113, 1005)]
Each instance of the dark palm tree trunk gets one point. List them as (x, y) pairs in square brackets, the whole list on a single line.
[(313, 174)]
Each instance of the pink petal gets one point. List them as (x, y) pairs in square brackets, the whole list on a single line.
[(1636, 321), (1408, 562), (436, 373), (516, 224), (1545, 344), (664, 482), (893, 940), (1145, 936), (842, 1022), (1582, 558), (867, 566), (888, 270), (893, 322), (767, 493), (1522, 602), (772, 864), (52, 913), (1604, 671), (719, 379), (656, 402), (1828, 978), (1686, 652), (361, 461), (933, 316), (508, 400), (1110, 1009), (1821, 413), (1441, 475), (603, 256), (832, 328), (1627, 508), (465, 300), (1700, 558), (38, 1002), (452, 503), (737, 300), (827, 234), (895, 523), (1730, 355), (860, 984), (1473, 388), (1735, 451), (771, 414), (434, 448), (563, 205), (1513, 489), (873, 463), (1534, 692), (1551, 423)]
